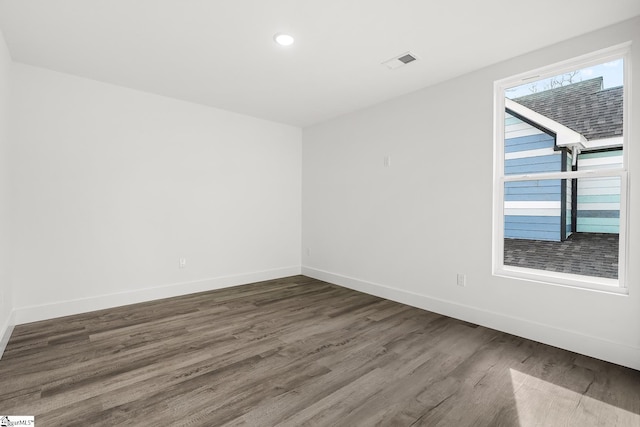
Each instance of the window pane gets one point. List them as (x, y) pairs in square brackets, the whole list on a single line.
[(563, 225)]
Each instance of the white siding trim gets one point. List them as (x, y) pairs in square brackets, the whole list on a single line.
[(532, 212), (531, 205)]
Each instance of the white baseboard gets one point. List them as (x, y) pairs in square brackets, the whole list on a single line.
[(599, 348), (65, 308), (5, 332)]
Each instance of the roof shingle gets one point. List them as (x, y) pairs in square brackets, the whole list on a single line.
[(585, 107)]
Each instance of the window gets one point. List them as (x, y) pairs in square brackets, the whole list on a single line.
[(560, 177)]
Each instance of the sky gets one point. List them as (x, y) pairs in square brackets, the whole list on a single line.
[(612, 73)]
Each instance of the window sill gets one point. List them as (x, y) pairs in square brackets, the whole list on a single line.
[(600, 284)]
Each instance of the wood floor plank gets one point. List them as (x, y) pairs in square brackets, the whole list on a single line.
[(298, 351)]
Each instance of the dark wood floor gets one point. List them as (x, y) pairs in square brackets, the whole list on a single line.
[(298, 351)]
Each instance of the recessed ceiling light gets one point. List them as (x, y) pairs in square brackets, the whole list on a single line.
[(283, 39)]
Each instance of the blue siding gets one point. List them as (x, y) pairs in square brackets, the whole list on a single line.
[(598, 228), (525, 143), (552, 163), (554, 159), (532, 227), (546, 190), (598, 214), (599, 198), (598, 203), (598, 221), (532, 219), (520, 223), (605, 221), (533, 235), (519, 226), (541, 197)]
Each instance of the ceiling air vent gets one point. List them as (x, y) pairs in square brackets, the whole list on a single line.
[(400, 60)]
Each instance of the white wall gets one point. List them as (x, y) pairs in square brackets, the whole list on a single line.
[(404, 231), (113, 186), (6, 297)]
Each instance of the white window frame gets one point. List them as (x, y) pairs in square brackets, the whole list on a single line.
[(619, 285)]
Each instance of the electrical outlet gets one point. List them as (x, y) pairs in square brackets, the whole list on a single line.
[(462, 279), (182, 262), (308, 252)]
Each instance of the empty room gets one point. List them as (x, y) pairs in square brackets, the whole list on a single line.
[(330, 213)]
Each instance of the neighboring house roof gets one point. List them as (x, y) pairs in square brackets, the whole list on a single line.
[(585, 107)]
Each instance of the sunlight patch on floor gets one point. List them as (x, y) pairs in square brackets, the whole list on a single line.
[(542, 403)]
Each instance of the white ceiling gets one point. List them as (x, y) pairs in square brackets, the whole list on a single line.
[(221, 52)]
